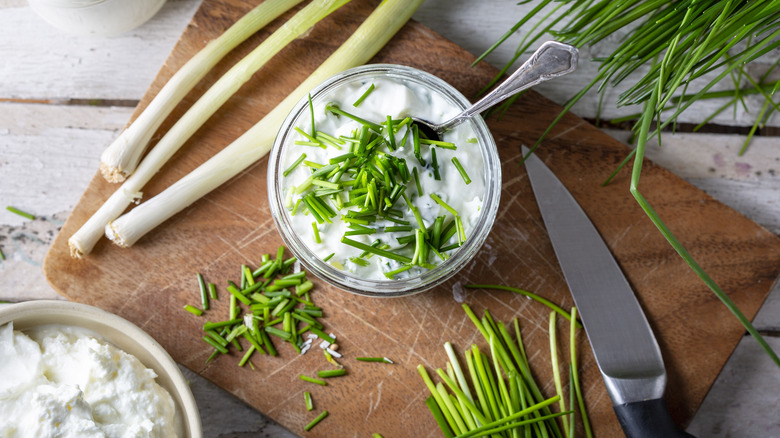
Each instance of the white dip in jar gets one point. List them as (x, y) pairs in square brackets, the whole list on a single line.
[(374, 189), (65, 382)]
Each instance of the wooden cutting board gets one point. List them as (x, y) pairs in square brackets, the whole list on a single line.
[(149, 283)]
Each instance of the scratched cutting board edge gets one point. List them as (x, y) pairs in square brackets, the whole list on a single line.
[(149, 283)]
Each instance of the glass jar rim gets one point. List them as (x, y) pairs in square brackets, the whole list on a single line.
[(397, 287)]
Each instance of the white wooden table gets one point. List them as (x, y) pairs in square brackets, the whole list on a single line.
[(63, 99)]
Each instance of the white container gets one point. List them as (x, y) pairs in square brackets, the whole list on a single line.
[(96, 17), (123, 335)]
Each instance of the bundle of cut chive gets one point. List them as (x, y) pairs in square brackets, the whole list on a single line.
[(376, 182), (270, 302), (502, 398), (676, 43)]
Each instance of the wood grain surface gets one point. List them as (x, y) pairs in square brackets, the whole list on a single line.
[(149, 283)]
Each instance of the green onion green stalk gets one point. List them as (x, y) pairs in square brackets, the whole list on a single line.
[(674, 44)]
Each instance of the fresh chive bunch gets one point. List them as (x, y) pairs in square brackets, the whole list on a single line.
[(369, 189), (499, 397), (676, 44), (275, 302)]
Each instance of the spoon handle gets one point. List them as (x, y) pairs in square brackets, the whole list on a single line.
[(551, 60)]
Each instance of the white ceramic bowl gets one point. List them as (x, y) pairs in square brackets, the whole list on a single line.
[(122, 334)]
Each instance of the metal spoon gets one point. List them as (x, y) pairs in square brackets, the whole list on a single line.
[(551, 60)]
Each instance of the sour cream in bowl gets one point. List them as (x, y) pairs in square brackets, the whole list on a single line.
[(375, 213), (72, 370)]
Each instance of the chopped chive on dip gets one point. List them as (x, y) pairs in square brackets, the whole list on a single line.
[(380, 200)]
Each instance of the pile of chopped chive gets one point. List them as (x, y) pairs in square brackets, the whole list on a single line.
[(274, 296), (275, 302), (369, 189), (502, 398)]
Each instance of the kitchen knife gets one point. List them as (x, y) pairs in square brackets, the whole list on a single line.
[(626, 350)]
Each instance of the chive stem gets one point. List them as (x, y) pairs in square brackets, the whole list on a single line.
[(316, 420), (331, 373), (364, 96), (308, 401), (194, 310), (294, 165), (461, 170), (20, 212), (374, 359), (312, 380)]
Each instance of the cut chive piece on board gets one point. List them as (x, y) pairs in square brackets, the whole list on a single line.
[(312, 380), (374, 359), (363, 96), (316, 420), (204, 297), (21, 213), (307, 400), (331, 373), (194, 310)]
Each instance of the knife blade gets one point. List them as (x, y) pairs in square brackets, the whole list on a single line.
[(623, 343)]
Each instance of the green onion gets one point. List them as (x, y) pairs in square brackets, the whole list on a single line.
[(125, 234), (120, 159), (20, 212), (363, 96), (461, 170), (194, 310), (332, 373), (312, 380), (316, 420)]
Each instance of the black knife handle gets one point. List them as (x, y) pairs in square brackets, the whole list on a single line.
[(648, 419)]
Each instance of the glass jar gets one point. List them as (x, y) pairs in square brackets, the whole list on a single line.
[(96, 17), (298, 243)]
